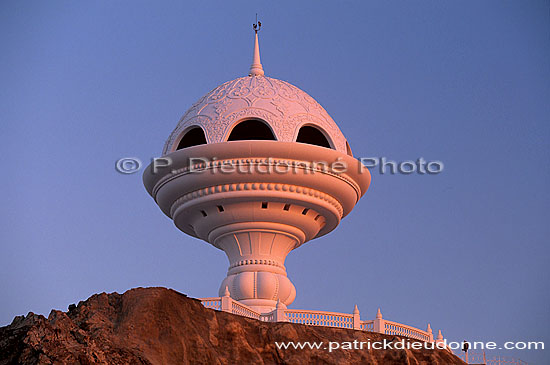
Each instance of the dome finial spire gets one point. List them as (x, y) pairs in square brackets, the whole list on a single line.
[(256, 68)]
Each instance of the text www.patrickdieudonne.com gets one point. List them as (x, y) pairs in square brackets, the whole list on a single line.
[(403, 344)]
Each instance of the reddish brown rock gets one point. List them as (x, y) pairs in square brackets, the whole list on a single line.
[(162, 326)]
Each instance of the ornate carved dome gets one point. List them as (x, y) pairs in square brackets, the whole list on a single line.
[(282, 106)]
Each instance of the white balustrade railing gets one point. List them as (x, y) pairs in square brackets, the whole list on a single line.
[(394, 328), (345, 320), (367, 326), (268, 317), (212, 303), (317, 318), (321, 318), (243, 310)]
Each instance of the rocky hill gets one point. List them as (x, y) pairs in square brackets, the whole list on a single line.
[(162, 326)]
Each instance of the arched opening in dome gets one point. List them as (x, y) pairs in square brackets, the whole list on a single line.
[(194, 137), (311, 135), (251, 129)]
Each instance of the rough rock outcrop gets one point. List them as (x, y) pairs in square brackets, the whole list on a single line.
[(162, 326)]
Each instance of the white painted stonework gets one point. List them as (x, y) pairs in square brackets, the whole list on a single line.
[(257, 217), (282, 105)]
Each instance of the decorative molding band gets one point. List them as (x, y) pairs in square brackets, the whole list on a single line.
[(257, 186), (236, 163), (255, 262)]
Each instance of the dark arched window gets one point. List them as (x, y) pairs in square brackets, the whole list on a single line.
[(251, 129), (193, 137), (312, 135)]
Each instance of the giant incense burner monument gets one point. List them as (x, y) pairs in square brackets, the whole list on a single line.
[(257, 168)]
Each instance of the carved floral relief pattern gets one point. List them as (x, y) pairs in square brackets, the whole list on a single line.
[(283, 106)]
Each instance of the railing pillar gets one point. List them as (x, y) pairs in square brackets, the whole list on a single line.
[(439, 338), (227, 301), (356, 319), (379, 323), (430, 333), (279, 315)]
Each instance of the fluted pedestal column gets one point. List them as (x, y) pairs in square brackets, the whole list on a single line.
[(257, 251)]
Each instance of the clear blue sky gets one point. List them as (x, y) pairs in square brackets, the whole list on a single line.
[(468, 83)]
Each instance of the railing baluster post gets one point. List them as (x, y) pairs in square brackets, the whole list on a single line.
[(279, 315), (430, 333), (227, 302), (356, 319), (379, 323)]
